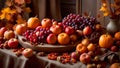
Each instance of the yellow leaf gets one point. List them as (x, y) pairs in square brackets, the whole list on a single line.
[(106, 14), (104, 4), (103, 9), (2, 16)]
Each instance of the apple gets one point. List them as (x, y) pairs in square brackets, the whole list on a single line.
[(115, 65), (85, 41), (91, 47), (33, 22), (46, 22), (87, 30), (20, 29), (56, 29), (73, 37), (54, 23), (2, 30), (75, 55), (85, 58), (28, 52), (13, 43), (51, 38), (114, 48), (63, 38), (69, 30), (9, 34), (60, 24)]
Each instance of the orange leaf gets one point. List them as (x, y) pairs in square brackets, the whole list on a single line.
[(20, 20), (19, 1), (27, 9)]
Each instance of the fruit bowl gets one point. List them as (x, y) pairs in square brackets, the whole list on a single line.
[(47, 47)]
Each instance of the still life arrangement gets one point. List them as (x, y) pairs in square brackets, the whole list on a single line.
[(111, 10), (75, 39)]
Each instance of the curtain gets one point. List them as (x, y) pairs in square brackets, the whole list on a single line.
[(46, 9)]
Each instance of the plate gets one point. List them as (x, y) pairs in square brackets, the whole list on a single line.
[(47, 47)]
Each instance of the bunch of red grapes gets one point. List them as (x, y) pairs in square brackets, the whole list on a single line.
[(2, 40), (38, 35), (80, 22)]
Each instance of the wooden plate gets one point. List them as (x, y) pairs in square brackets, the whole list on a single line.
[(47, 47)]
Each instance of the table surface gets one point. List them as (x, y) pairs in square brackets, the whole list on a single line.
[(8, 59)]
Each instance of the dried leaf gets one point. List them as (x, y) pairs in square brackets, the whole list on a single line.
[(117, 12), (19, 1), (2, 16), (103, 9), (106, 14), (27, 9), (20, 20), (9, 17), (9, 3), (18, 9)]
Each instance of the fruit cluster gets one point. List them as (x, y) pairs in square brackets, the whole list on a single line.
[(70, 30), (7, 38)]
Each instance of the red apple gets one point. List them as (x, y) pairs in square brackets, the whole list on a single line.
[(51, 39), (56, 29), (2, 30), (46, 22), (114, 48), (13, 43), (85, 58), (28, 52), (69, 30), (63, 38), (87, 30), (54, 23), (60, 24), (73, 37), (75, 55), (9, 34), (20, 29)]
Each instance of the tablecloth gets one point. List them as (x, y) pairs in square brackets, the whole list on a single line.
[(8, 59)]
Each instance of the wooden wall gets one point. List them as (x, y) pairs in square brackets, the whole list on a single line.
[(67, 7)]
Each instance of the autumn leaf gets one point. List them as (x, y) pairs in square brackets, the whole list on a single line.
[(18, 9), (20, 20), (9, 3), (19, 1), (2, 16), (9, 17), (27, 9), (106, 13)]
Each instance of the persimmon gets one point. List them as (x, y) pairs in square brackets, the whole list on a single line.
[(33, 22), (81, 48), (117, 36), (106, 41)]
